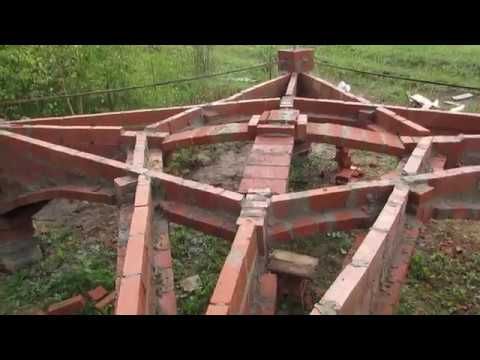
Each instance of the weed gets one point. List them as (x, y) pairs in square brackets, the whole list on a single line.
[(195, 253), (440, 281), (67, 269)]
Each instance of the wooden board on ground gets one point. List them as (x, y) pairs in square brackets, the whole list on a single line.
[(290, 263), (462, 97)]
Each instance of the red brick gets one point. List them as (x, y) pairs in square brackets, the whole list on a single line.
[(275, 185), (98, 293), (268, 287), (305, 226), (280, 232), (266, 172), (301, 133), (217, 310), (177, 141), (67, 307), (231, 286), (329, 198), (398, 124), (260, 158), (252, 124), (281, 141), (245, 243), (298, 60), (140, 220), (107, 300), (162, 259), (167, 304), (276, 129), (131, 297), (143, 195)]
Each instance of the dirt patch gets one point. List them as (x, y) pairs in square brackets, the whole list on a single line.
[(444, 274), (373, 165), (218, 164), (317, 169), (90, 222)]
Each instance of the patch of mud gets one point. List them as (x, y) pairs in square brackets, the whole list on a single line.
[(373, 165), (317, 169), (226, 170), (91, 222), (219, 165)]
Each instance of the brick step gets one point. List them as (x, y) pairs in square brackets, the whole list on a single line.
[(199, 219), (268, 164)]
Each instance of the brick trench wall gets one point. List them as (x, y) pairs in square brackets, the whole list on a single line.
[(355, 289), (38, 160), (233, 294), (135, 282), (132, 118), (98, 140), (270, 89)]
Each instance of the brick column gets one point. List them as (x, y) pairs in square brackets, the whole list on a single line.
[(18, 247)]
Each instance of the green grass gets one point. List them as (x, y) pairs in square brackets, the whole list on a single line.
[(120, 66), (445, 63), (195, 253), (443, 280), (68, 268)]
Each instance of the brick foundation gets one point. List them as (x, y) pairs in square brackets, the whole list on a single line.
[(117, 158)]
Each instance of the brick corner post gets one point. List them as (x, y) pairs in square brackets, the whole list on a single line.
[(296, 60)]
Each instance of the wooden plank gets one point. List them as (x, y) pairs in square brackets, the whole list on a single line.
[(462, 97), (286, 262)]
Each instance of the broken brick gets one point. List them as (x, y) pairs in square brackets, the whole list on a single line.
[(98, 293), (67, 307)]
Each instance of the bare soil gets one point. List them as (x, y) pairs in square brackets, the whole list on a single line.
[(91, 222)]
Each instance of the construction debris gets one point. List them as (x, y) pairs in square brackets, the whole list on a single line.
[(458, 108), (107, 300), (342, 85), (70, 306), (98, 293), (191, 283), (424, 102), (451, 103), (462, 97), (290, 263)]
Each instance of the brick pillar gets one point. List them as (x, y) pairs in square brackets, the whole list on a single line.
[(343, 158), (296, 60), (18, 247)]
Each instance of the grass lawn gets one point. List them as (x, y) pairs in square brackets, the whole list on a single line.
[(444, 63)]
